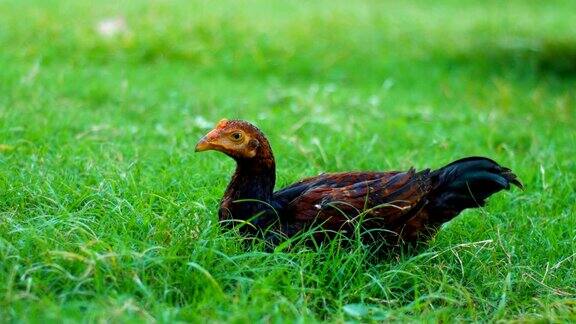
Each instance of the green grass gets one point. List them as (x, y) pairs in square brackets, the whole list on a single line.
[(107, 214)]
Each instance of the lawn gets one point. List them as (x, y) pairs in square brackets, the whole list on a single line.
[(106, 213)]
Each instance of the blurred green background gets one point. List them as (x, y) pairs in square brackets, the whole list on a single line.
[(106, 213)]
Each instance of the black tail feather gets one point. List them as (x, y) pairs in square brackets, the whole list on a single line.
[(467, 183)]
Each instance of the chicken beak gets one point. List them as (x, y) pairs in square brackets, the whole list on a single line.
[(203, 145), (206, 143)]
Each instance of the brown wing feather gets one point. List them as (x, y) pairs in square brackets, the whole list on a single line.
[(286, 195), (384, 202), (341, 179)]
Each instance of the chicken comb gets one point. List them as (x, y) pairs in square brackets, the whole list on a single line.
[(222, 123)]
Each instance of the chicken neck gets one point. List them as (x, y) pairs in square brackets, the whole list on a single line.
[(249, 193)]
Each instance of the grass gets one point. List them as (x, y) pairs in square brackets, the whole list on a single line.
[(107, 214)]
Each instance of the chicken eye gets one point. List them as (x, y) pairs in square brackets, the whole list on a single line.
[(236, 136)]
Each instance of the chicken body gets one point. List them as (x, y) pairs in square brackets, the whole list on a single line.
[(383, 207)]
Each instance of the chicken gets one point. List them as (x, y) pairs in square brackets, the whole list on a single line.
[(383, 207)]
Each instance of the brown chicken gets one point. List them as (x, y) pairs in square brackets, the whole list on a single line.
[(383, 207)]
